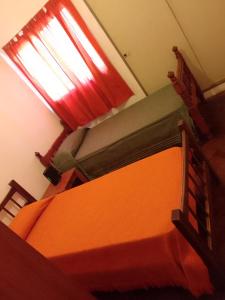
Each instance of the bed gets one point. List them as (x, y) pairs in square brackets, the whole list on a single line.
[(143, 129), (115, 232)]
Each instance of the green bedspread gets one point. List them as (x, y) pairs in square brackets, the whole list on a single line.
[(143, 129)]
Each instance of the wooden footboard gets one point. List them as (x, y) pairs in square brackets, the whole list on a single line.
[(187, 87), (195, 217), (15, 188)]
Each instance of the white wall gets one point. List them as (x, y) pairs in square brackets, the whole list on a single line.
[(203, 22), (14, 15), (147, 31), (26, 126)]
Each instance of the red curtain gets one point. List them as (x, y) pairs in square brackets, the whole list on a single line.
[(59, 55)]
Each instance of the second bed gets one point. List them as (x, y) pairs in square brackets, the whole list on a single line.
[(115, 232)]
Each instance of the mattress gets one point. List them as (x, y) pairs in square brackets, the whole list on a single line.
[(148, 111), (143, 129), (115, 232)]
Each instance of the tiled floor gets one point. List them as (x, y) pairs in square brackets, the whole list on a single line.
[(214, 113)]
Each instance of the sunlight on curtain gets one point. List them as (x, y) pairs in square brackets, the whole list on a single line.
[(52, 63), (40, 70), (63, 61), (54, 49), (55, 37), (71, 23)]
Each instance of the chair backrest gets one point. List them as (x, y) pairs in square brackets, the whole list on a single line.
[(15, 188)]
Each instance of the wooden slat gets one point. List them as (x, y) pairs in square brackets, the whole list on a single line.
[(19, 189), (197, 200), (16, 203), (199, 187), (185, 172), (203, 227), (15, 188), (197, 173), (182, 224), (209, 203), (196, 157), (7, 198), (201, 241), (8, 212)]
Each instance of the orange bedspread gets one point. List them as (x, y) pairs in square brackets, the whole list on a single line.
[(116, 233)]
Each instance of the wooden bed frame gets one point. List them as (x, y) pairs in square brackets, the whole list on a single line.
[(46, 159), (185, 85), (203, 179), (203, 240)]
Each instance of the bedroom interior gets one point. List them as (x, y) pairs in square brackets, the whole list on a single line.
[(142, 61)]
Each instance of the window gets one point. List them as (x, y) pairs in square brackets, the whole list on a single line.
[(63, 61)]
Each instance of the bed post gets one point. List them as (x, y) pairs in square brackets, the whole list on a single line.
[(183, 67), (202, 238), (47, 158), (187, 87)]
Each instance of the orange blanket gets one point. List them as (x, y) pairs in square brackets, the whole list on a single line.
[(116, 233)]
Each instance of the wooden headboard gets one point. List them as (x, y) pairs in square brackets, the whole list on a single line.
[(187, 87), (46, 159)]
